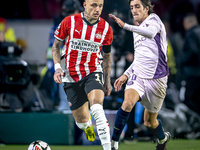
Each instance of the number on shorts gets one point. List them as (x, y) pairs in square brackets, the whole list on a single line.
[(133, 77), (98, 78)]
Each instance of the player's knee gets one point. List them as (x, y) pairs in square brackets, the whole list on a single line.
[(96, 101), (127, 106)]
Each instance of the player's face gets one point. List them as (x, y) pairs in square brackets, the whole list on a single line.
[(139, 12), (93, 8)]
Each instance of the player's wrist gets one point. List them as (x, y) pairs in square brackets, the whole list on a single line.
[(126, 74), (57, 66)]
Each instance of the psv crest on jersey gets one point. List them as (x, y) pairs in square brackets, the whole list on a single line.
[(82, 45), (98, 35)]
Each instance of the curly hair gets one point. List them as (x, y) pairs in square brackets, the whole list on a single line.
[(146, 3)]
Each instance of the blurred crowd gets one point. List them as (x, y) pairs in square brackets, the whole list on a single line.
[(181, 19)]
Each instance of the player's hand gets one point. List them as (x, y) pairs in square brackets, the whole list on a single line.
[(57, 76), (107, 88), (117, 20), (119, 82)]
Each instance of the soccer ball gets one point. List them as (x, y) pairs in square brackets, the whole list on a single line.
[(39, 145)]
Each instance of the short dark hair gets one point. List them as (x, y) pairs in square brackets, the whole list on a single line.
[(146, 3)]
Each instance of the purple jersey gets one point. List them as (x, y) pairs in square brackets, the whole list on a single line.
[(150, 58)]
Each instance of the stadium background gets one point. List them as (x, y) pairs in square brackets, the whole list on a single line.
[(32, 20)]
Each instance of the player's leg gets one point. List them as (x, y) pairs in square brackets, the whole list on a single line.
[(131, 96), (83, 121), (151, 121), (95, 94), (96, 98), (152, 101), (81, 114), (79, 107)]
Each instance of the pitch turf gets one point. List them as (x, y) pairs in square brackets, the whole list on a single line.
[(172, 145)]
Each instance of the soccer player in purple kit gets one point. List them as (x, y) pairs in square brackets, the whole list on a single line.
[(148, 74)]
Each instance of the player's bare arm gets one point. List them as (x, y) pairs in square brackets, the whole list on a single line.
[(56, 51), (56, 58), (107, 71)]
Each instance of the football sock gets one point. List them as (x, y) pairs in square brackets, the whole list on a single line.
[(120, 122), (102, 125), (159, 132), (114, 144), (107, 146), (83, 126)]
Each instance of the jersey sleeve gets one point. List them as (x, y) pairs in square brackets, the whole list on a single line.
[(154, 22), (109, 37), (61, 32), (149, 29)]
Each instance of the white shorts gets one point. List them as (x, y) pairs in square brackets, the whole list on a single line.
[(152, 91)]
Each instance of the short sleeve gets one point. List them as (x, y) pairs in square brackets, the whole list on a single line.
[(109, 37), (61, 32)]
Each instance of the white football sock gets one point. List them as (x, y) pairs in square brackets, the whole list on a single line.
[(114, 144), (103, 129), (107, 146), (83, 126)]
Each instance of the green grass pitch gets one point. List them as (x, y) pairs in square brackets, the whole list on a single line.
[(172, 145)]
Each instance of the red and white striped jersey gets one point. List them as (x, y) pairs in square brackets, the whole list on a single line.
[(82, 45)]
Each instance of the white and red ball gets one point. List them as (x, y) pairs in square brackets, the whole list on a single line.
[(39, 145)]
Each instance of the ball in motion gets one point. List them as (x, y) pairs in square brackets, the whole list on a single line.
[(39, 145)]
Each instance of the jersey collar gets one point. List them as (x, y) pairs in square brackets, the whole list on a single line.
[(88, 22)]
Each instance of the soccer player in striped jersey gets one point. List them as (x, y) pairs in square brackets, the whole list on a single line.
[(147, 76), (79, 68)]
